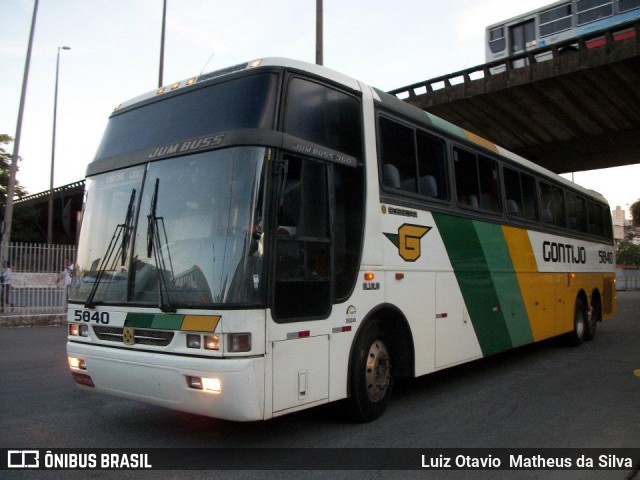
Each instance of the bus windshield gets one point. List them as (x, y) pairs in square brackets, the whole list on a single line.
[(183, 232), (245, 102)]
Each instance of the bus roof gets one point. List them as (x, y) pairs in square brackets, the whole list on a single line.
[(262, 62), (386, 99)]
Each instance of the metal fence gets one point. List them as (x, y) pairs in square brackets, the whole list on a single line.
[(38, 257), (627, 278), (34, 285), (35, 300)]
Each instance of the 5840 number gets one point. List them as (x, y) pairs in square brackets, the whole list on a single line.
[(605, 257), (87, 316)]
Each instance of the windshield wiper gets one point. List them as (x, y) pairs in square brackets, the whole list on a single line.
[(118, 247), (154, 245)]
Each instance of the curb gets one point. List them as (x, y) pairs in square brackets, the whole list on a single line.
[(16, 321)]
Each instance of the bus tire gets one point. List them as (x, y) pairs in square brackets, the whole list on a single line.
[(578, 335), (595, 316), (591, 325), (371, 375)]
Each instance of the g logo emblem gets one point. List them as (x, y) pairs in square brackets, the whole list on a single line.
[(408, 241), (127, 336)]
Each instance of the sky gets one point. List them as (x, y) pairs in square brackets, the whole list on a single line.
[(115, 48)]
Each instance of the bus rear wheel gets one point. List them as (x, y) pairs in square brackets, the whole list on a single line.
[(580, 324), (371, 374), (594, 316)]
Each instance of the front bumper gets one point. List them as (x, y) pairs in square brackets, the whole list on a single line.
[(161, 379)]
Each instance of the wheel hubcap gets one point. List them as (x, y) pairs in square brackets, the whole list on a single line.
[(378, 373), (580, 326)]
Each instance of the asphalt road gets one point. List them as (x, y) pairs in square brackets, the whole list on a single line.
[(543, 395)]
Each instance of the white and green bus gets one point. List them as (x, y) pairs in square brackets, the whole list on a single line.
[(275, 236)]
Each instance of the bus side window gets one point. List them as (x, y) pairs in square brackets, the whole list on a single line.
[(398, 155), (477, 183), (432, 167), (324, 115), (596, 219), (497, 42), (347, 230), (489, 185), (576, 213), (552, 204), (466, 173), (520, 192)]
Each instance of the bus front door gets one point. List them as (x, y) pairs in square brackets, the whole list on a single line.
[(302, 283)]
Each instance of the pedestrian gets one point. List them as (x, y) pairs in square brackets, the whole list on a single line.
[(66, 275)]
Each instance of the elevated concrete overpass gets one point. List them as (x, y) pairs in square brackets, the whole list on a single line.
[(577, 110)]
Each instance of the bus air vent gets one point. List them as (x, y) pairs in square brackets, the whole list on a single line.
[(141, 336)]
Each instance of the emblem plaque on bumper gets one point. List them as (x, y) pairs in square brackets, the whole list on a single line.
[(127, 336)]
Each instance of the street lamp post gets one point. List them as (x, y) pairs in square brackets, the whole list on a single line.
[(319, 33), (8, 208), (164, 27), (53, 151)]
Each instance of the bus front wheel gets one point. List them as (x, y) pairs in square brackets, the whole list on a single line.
[(371, 374)]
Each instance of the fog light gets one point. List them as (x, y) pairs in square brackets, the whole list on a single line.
[(211, 342), (76, 363), (239, 342), (194, 382), (211, 385), (193, 341)]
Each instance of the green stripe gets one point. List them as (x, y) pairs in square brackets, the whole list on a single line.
[(167, 322), (505, 282), (150, 320), (476, 282), (138, 320), (449, 127)]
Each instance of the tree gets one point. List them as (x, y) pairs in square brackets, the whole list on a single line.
[(628, 254), (5, 173), (24, 219), (635, 213)]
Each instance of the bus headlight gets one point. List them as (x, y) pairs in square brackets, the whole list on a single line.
[(239, 342), (211, 342), (208, 342), (78, 330), (193, 341)]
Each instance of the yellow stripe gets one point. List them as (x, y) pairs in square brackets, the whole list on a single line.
[(537, 288), (549, 298), (200, 323), (480, 141)]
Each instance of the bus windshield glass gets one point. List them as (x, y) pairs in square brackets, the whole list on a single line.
[(183, 232), (245, 102)]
